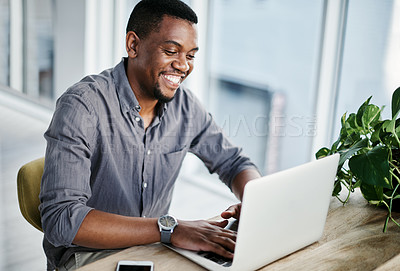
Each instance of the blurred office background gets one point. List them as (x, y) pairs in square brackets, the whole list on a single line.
[(276, 74)]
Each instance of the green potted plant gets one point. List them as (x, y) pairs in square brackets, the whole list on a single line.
[(369, 150)]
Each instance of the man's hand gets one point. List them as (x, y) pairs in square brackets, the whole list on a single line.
[(205, 236), (232, 211)]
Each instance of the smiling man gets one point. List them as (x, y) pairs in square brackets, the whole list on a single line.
[(116, 144)]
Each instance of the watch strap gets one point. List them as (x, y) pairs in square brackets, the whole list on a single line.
[(165, 236)]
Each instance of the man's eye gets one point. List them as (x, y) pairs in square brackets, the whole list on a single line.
[(170, 53), (191, 57)]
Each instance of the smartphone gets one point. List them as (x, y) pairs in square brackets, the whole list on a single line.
[(135, 266)]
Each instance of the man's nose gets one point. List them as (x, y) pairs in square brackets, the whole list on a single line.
[(181, 64)]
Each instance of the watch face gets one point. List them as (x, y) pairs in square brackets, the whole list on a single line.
[(167, 221)]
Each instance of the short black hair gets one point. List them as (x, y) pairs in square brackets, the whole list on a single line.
[(148, 14)]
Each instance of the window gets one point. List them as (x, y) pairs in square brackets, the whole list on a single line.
[(5, 42), (371, 56), (272, 46), (247, 128), (38, 49)]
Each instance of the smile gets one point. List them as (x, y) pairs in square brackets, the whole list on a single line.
[(173, 79)]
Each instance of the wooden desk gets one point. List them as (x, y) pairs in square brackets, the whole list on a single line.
[(352, 240)]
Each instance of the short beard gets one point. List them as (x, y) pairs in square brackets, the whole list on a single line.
[(161, 97)]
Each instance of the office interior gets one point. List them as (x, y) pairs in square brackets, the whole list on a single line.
[(277, 75)]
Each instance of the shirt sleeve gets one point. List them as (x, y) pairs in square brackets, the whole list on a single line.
[(215, 149), (65, 186)]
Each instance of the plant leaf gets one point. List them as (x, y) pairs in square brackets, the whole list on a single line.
[(351, 125), (352, 139), (335, 146), (389, 126), (343, 119), (357, 184), (397, 197), (342, 136), (372, 167), (395, 102), (322, 153), (372, 193), (344, 155), (375, 136), (397, 125), (371, 115), (361, 110), (337, 188)]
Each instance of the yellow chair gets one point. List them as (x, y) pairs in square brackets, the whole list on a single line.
[(28, 184)]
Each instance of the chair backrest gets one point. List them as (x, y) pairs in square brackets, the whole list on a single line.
[(28, 184)]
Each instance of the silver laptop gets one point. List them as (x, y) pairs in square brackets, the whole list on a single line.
[(281, 213)]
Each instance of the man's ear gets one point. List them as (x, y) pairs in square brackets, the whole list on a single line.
[(132, 41)]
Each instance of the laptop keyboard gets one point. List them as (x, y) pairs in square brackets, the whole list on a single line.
[(233, 226), (215, 258)]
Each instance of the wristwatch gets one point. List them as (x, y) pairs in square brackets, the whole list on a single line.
[(167, 224)]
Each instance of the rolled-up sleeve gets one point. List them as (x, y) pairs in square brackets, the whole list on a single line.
[(65, 186)]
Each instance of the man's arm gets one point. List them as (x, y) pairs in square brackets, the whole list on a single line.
[(238, 185), (118, 231), (241, 180), (104, 230)]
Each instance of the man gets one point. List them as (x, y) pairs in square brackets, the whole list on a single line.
[(116, 144)]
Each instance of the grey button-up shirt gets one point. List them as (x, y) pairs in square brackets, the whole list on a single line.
[(99, 156)]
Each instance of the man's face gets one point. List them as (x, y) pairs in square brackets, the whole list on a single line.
[(165, 58)]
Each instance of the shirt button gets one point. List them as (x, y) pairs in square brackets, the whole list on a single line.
[(137, 107), (144, 185), (137, 119), (148, 152)]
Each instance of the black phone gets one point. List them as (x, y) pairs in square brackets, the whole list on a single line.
[(135, 266)]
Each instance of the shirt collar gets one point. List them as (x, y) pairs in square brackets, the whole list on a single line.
[(127, 98)]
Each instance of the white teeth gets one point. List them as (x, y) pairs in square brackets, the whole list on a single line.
[(173, 79)]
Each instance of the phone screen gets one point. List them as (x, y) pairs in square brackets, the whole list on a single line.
[(134, 268)]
